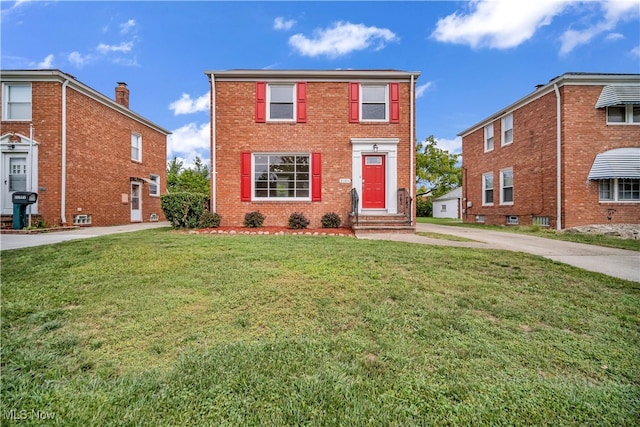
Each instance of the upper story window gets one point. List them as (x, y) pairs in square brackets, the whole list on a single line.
[(506, 186), (136, 147), (17, 101), (487, 188), (374, 102), (154, 185), (623, 114), (281, 100), (488, 138), (507, 129)]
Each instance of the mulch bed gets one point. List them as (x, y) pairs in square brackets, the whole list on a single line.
[(278, 231)]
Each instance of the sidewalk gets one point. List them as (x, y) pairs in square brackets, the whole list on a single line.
[(17, 241), (620, 263)]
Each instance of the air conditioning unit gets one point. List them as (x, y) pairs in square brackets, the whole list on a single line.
[(153, 217), (82, 220)]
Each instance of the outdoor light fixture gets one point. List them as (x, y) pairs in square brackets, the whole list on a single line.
[(375, 148)]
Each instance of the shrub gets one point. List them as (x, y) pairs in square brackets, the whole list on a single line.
[(424, 208), (298, 221), (253, 219), (210, 220), (183, 210), (331, 220)]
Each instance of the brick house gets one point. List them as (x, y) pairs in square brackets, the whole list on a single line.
[(314, 142), (91, 159), (570, 150)]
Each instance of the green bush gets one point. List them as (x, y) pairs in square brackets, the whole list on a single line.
[(209, 220), (331, 220), (298, 221), (424, 208), (253, 219), (184, 210)]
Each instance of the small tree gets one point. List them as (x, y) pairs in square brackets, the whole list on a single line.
[(192, 180), (184, 210), (437, 167)]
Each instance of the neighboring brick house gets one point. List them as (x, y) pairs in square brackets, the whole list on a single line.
[(91, 159), (569, 150), (306, 141)]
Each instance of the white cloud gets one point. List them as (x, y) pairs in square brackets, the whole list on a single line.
[(189, 141), (614, 36), (635, 52), (280, 24), (77, 59), (451, 145), (123, 47), (186, 105), (614, 12), (47, 62), (340, 39), (127, 26), (421, 89), (500, 24)]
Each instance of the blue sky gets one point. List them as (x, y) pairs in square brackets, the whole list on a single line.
[(475, 57)]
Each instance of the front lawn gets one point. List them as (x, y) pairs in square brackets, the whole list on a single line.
[(164, 328)]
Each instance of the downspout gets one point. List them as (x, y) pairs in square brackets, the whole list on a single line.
[(214, 171), (63, 180), (412, 142), (558, 159)]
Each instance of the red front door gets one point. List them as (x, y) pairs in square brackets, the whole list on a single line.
[(373, 182)]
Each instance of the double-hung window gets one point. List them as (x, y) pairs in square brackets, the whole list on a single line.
[(619, 190), (17, 101), (506, 186), (487, 189), (507, 129), (136, 147), (375, 102), (154, 185), (623, 114), (281, 176), (488, 138), (281, 100)]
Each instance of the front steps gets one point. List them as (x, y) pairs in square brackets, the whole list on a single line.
[(386, 223)]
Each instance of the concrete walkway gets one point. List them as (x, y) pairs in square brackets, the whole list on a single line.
[(620, 263), (17, 241)]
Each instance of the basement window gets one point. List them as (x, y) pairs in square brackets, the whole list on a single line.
[(513, 220), (82, 219)]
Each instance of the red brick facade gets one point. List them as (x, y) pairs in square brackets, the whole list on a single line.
[(326, 131), (99, 168), (532, 156)]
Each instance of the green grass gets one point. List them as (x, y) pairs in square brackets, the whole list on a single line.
[(444, 236), (591, 239), (161, 328)]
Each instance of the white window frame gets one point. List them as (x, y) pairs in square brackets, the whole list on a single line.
[(155, 181), (628, 115), (614, 190), (506, 126), (386, 101), (6, 102), (268, 198), (489, 140), (136, 144), (503, 172), (294, 97), (485, 189)]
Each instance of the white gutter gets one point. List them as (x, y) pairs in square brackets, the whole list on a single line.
[(558, 159), (412, 142), (30, 169), (63, 180), (214, 172)]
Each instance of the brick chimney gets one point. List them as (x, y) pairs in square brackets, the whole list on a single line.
[(122, 94)]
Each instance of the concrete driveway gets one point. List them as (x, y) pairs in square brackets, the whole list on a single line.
[(17, 241), (620, 263)]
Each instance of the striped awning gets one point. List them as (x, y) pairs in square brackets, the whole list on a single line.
[(616, 163), (619, 95)]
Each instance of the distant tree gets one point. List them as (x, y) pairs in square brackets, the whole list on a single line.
[(192, 180), (437, 169)]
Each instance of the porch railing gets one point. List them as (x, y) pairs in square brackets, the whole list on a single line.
[(404, 204), (355, 204)]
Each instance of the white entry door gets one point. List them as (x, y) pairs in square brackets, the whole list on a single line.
[(136, 202), (14, 178)]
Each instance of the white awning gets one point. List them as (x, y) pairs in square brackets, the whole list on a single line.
[(617, 163), (619, 95)]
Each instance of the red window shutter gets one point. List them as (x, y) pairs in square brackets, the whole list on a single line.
[(261, 102), (301, 89), (245, 177), (316, 177), (354, 102), (394, 102)]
